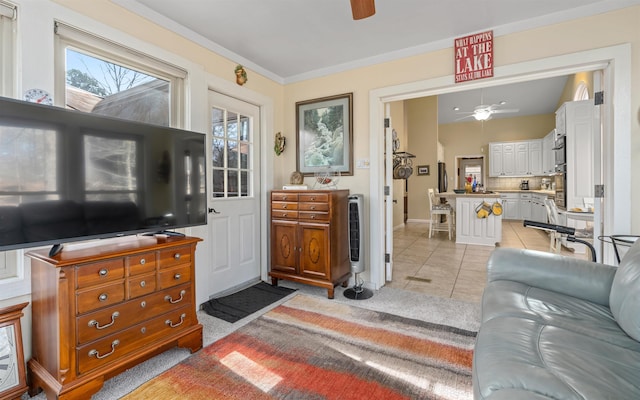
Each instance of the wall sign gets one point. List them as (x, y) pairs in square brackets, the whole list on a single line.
[(474, 57)]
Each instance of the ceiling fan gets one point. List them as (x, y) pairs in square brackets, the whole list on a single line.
[(484, 112), (362, 8)]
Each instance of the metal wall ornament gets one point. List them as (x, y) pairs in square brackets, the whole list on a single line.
[(280, 143), (241, 75)]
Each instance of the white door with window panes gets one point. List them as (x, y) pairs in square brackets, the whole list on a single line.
[(234, 195)]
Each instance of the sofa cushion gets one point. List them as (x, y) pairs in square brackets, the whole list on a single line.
[(514, 299), (625, 293), (525, 358)]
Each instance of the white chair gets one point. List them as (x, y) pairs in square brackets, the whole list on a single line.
[(437, 210), (555, 238)]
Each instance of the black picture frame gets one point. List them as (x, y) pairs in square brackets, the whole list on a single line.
[(423, 170)]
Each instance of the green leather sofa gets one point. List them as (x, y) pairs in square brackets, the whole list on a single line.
[(555, 327)]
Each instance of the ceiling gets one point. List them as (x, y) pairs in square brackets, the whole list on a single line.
[(294, 40)]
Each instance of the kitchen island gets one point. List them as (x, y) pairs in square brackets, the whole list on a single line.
[(470, 229)]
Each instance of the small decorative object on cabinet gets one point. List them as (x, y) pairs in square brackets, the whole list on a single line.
[(102, 309), (13, 382), (309, 238)]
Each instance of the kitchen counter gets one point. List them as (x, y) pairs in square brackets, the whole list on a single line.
[(495, 193), (550, 193), (453, 195), (470, 229)]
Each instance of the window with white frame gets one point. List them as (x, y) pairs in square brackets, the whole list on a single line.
[(8, 16), (12, 277), (100, 76)]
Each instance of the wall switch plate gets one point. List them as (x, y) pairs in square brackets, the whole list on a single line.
[(362, 163)]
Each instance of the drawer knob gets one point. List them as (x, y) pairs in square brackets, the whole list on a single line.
[(313, 216), (143, 284), (171, 324), (143, 304), (284, 206), (172, 301), (176, 256), (97, 325), (313, 199), (313, 207), (143, 329), (143, 261), (103, 297), (94, 352), (103, 272), (177, 277)]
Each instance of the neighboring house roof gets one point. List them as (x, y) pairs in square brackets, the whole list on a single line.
[(81, 100), (147, 102)]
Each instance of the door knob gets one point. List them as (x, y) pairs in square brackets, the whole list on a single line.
[(213, 211)]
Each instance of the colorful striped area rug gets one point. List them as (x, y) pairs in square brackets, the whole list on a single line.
[(314, 348)]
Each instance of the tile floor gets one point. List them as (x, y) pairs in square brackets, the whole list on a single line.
[(440, 267)]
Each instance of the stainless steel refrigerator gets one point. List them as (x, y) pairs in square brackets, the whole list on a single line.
[(442, 178)]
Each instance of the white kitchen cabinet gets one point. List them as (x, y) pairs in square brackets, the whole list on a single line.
[(502, 160), (510, 205), (535, 157), (523, 158), (473, 230), (525, 206), (495, 159), (538, 209), (548, 155), (580, 124)]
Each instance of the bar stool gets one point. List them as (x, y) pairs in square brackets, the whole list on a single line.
[(437, 210)]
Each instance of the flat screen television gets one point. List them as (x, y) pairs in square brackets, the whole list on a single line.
[(67, 175)]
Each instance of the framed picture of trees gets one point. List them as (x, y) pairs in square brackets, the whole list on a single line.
[(324, 133)]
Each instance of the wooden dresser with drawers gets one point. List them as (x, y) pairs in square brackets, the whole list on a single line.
[(100, 309), (309, 237)]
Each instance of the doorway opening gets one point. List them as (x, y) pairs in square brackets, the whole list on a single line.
[(614, 61)]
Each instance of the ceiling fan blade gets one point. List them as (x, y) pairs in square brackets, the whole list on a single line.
[(362, 8), (465, 117), (498, 111)]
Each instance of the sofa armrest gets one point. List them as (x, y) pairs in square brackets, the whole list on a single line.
[(577, 278)]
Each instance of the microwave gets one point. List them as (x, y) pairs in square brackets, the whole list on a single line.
[(560, 153)]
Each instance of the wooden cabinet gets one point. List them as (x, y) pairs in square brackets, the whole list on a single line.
[(309, 237), (100, 309)]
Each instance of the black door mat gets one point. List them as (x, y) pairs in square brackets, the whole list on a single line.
[(238, 305)]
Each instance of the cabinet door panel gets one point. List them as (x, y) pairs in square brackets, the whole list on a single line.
[(508, 159), (284, 248), (522, 159), (314, 257), (495, 159)]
